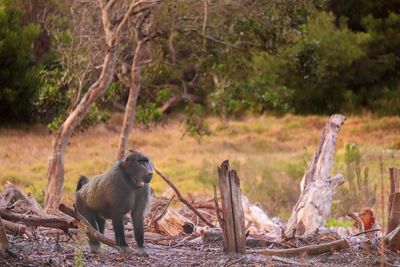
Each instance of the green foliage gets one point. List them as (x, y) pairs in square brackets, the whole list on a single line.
[(316, 67), (361, 191), (309, 57), (333, 222), (281, 188), (195, 124), (377, 81), (18, 68), (148, 113), (78, 258)]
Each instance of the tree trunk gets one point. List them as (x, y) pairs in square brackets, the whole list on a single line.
[(3, 238), (130, 110), (55, 173), (233, 227), (392, 238), (317, 187), (394, 200)]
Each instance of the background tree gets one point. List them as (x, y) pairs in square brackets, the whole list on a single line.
[(142, 25), (18, 67), (112, 31)]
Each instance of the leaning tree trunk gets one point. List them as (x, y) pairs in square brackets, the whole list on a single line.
[(55, 173), (130, 109), (317, 186)]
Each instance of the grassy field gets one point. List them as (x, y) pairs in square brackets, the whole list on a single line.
[(270, 154)]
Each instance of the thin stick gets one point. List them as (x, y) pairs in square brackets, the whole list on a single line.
[(367, 231), (165, 208), (153, 217), (90, 230), (220, 220), (383, 211), (183, 200)]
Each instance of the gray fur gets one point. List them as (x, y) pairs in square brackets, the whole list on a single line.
[(124, 188)]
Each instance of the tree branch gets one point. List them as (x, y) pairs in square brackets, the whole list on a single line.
[(38, 221), (89, 228), (184, 201)]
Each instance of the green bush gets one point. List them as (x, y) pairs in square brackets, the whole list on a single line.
[(360, 190), (18, 69)]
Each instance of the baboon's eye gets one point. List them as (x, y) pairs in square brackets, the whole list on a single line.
[(142, 161)]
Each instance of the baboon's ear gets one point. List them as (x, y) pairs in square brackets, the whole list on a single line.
[(128, 157)]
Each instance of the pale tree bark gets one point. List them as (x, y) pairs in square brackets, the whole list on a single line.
[(130, 110), (55, 173), (317, 185), (143, 33)]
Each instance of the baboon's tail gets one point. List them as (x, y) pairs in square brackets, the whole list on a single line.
[(82, 181)]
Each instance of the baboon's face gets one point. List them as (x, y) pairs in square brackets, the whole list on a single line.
[(138, 167)]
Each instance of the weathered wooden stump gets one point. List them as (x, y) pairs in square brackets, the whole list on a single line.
[(317, 185), (392, 238), (234, 236), (3, 238)]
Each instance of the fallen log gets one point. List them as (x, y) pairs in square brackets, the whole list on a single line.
[(317, 186), (35, 221), (306, 250), (182, 199), (13, 196), (204, 205), (15, 227), (256, 218), (88, 227), (172, 223)]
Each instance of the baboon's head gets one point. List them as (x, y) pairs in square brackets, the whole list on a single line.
[(138, 167)]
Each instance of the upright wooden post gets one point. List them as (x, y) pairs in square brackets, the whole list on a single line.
[(233, 227), (392, 238), (3, 238), (394, 200)]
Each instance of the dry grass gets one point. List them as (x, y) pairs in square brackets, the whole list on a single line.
[(270, 153)]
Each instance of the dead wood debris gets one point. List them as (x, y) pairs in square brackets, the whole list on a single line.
[(168, 230)]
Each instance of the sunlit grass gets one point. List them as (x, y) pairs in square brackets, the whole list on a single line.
[(270, 154)]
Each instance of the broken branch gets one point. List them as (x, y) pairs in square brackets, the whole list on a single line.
[(89, 228), (182, 199)]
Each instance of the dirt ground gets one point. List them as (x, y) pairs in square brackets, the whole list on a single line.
[(30, 253)]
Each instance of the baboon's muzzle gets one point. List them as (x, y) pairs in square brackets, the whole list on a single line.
[(148, 177)]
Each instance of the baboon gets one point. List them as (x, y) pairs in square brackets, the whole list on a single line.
[(124, 188)]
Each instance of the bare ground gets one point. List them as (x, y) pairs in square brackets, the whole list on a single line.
[(44, 253)]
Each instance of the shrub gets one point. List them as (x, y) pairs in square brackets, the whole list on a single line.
[(18, 68)]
